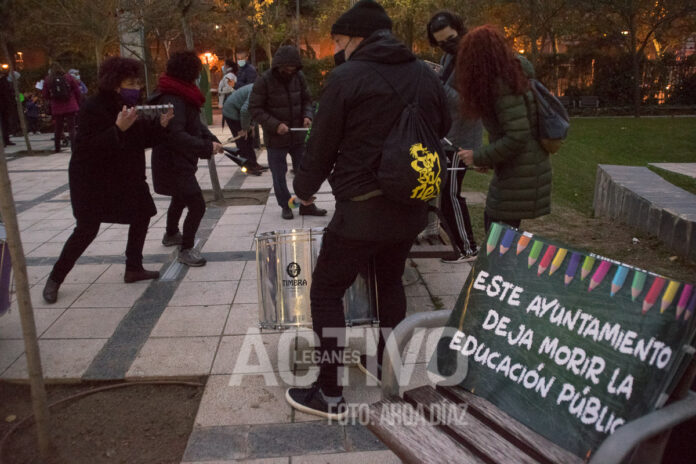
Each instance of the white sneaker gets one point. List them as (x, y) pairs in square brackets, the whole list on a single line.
[(455, 258), (191, 257)]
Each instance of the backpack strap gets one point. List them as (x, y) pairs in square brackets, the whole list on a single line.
[(416, 96)]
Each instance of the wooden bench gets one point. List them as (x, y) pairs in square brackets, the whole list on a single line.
[(588, 101), (488, 435), (568, 102)]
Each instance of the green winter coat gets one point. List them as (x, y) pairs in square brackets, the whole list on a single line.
[(521, 184)]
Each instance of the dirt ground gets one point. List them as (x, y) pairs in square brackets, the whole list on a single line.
[(136, 424), (604, 237)]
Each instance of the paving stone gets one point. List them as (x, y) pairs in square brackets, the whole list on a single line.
[(183, 356), (60, 359), (242, 317), (441, 284), (235, 244), (10, 351), (187, 321), (215, 271), (230, 353), (434, 265), (359, 438), (67, 294), (46, 250), (86, 323), (110, 295), (85, 273), (250, 271), (419, 304), (239, 219), (204, 293), (416, 289), (11, 326), (36, 274), (246, 461), (295, 439), (252, 402), (217, 443), (247, 292), (365, 457)]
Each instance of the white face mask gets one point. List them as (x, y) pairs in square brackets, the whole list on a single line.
[(241, 63)]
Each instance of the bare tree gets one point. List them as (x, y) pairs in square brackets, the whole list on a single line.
[(638, 21)]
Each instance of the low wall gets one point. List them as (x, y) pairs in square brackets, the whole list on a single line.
[(642, 199)]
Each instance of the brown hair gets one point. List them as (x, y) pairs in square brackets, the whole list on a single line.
[(484, 61)]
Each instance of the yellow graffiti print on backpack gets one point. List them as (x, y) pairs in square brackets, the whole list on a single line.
[(428, 167)]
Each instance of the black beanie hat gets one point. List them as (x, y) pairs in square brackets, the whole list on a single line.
[(366, 17)]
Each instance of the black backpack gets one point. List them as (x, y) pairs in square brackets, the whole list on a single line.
[(413, 166), (553, 120), (60, 88)]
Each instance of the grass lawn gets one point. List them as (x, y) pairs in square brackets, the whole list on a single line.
[(625, 141), (594, 141)]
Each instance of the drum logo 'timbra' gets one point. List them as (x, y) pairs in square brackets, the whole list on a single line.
[(293, 271)]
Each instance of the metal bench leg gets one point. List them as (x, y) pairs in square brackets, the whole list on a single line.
[(399, 337)]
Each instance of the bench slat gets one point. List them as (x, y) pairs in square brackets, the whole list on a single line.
[(522, 436), (472, 433), (416, 444)]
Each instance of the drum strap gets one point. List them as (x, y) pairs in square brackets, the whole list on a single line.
[(368, 195)]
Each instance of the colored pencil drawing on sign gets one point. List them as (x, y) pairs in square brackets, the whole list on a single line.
[(572, 358)]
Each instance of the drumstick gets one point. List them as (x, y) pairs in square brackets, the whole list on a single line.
[(299, 129)]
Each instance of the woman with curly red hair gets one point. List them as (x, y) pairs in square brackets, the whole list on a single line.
[(493, 83)]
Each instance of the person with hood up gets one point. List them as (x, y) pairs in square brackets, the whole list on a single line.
[(280, 101), (357, 110)]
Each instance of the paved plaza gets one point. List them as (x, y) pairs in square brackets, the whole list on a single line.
[(194, 322)]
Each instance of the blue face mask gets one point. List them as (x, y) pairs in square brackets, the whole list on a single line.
[(130, 96), (241, 63)]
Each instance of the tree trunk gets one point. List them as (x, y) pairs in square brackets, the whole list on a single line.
[(188, 33), (26, 313), (212, 169), (636, 76), (15, 86)]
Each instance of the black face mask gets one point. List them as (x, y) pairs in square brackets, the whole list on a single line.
[(340, 58), (450, 45)]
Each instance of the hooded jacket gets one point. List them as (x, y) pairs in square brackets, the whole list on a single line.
[(357, 110), (521, 184), (276, 99), (236, 106)]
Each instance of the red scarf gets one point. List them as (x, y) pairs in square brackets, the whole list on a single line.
[(186, 90)]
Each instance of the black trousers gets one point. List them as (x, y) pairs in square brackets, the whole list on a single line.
[(487, 221), (60, 120), (85, 233), (339, 262), (454, 207), (196, 209), (5, 125), (245, 145)]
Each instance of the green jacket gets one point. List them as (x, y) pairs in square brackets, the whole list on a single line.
[(237, 106), (521, 184)]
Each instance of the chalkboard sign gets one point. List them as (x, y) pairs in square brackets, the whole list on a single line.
[(572, 345)]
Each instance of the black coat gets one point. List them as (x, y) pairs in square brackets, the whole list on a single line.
[(276, 100), (107, 167), (356, 113), (246, 75), (175, 160)]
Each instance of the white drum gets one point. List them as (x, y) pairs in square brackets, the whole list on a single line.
[(285, 261)]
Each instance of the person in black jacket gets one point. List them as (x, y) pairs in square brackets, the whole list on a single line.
[(357, 110), (247, 72), (280, 101), (107, 171), (175, 161)]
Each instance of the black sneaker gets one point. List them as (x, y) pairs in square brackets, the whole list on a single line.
[(371, 368), (311, 401), (172, 240), (457, 258), (287, 213), (311, 210)]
